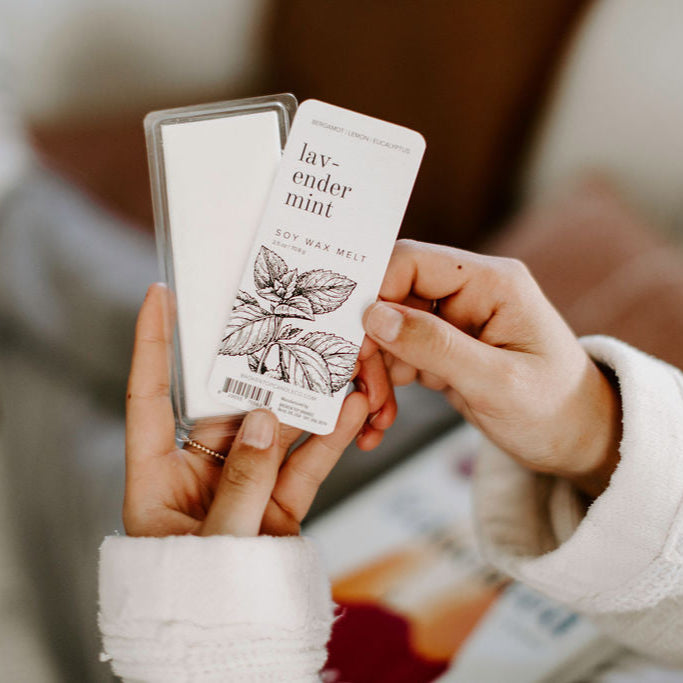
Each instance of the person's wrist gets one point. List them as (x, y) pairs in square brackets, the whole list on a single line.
[(595, 453)]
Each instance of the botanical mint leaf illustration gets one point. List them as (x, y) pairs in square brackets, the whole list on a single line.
[(270, 294), (253, 360), (288, 282), (319, 361), (326, 290), (288, 332), (296, 307), (268, 268), (282, 289), (275, 373), (304, 367), (249, 330), (339, 354), (245, 298)]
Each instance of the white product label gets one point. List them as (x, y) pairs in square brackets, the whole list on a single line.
[(324, 241)]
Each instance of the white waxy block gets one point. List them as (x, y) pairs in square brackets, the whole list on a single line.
[(218, 174)]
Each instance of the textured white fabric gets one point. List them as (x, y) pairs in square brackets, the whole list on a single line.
[(222, 608), (621, 562)]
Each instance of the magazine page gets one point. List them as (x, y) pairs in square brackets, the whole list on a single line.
[(416, 600)]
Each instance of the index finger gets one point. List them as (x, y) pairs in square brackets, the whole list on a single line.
[(429, 271), (150, 426)]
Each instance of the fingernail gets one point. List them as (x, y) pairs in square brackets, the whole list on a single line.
[(361, 386), (374, 416), (384, 322), (258, 429)]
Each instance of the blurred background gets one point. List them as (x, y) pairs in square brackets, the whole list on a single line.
[(553, 135)]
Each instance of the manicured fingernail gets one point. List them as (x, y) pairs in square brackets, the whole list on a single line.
[(384, 322), (361, 386), (258, 429)]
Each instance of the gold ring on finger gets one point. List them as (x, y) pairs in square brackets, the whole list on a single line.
[(219, 457)]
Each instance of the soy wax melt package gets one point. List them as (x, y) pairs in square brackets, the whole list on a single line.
[(211, 169), (273, 255)]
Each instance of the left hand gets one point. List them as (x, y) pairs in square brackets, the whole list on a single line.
[(172, 491), (504, 357)]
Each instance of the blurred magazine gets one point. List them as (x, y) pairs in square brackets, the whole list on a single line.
[(417, 603)]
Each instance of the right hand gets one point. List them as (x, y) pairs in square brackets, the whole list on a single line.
[(505, 358)]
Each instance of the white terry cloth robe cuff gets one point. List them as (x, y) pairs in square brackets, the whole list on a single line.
[(214, 608), (625, 552)]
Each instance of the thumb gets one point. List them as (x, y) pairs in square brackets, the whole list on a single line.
[(248, 477), (429, 343)]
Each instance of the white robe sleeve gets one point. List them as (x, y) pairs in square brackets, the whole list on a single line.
[(621, 560), (218, 608)]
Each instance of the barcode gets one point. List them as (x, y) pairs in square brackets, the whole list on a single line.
[(246, 390)]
